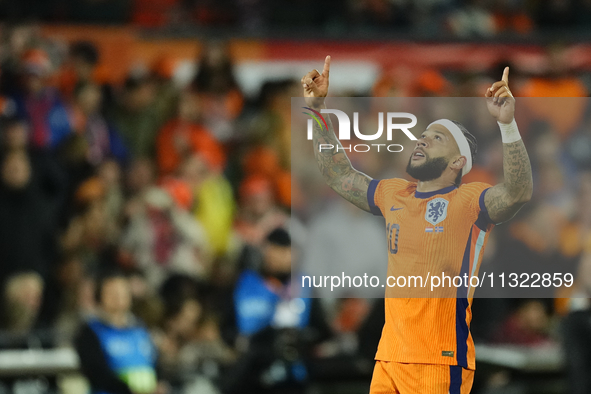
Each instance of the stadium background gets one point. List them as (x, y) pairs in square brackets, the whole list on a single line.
[(225, 71)]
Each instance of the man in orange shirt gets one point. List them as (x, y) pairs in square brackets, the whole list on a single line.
[(433, 225)]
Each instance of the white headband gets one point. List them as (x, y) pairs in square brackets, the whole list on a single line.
[(460, 140)]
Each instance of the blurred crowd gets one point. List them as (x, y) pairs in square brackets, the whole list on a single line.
[(167, 209), (462, 18)]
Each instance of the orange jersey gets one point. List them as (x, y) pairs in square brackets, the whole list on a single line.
[(444, 231)]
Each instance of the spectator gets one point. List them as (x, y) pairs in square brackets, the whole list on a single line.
[(190, 343), (162, 239), (19, 39), (147, 304), (23, 294), (29, 205), (263, 161), (184, 136), (138, 116), (102, 140), (258, 213), (528, 325), (179, 329), (213, 204), (91, 232), (110, 174), (219, 93), (116, 353), (80, 68), (40, 103), (215, 208), (72, 300), (140, 177), (43, 164), (271, 127)]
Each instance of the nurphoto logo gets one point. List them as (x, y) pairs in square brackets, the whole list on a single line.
[(344, 130)]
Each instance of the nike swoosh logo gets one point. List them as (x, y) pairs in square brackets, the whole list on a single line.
[(395, 209)]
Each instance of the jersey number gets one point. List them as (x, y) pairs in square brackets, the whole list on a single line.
[(393, 230)]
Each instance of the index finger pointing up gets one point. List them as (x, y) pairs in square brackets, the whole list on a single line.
[(506, 75), (326, 69)]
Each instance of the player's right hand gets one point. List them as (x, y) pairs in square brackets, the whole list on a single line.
[(316, 85)]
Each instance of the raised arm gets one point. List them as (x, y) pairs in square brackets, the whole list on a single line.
[(505, 199), (334, 164)]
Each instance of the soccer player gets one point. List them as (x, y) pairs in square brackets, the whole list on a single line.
[(438, 223)]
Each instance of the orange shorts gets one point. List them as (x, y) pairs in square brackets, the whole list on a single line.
[(398, 378)]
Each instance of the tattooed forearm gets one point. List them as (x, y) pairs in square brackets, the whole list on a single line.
[(336, 167), (504, 200)]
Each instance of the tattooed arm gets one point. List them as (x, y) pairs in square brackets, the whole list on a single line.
[(333, 163), (505, 199), (336, 168)]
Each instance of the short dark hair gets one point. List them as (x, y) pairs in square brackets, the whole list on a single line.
[(103, 278), (279, 237), (472, 143)]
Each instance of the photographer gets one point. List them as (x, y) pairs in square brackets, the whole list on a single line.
[(276, 327), (116, 353)]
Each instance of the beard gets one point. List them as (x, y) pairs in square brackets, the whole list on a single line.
[(429, 170)]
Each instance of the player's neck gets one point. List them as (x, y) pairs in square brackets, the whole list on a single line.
[(433, 185)]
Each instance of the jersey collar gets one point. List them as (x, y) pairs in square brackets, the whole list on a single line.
[(433, 193)]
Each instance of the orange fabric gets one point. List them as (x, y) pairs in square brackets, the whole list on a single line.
[(164, 66), (572, 241), (198, 141), (264, 162), (351, 315), (254, 185), (234, 103), (399, 378), (433, 82), (563, 115), (261, 160), (180, 192), (425, 330), (67, 80), (283, 188)]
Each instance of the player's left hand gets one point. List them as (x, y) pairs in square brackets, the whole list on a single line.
[(500, 100)]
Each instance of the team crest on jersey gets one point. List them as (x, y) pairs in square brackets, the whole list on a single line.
[(436, 210)]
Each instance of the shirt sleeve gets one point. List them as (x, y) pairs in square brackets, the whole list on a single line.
[(379, 190), (374, 197), (483, 220)]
